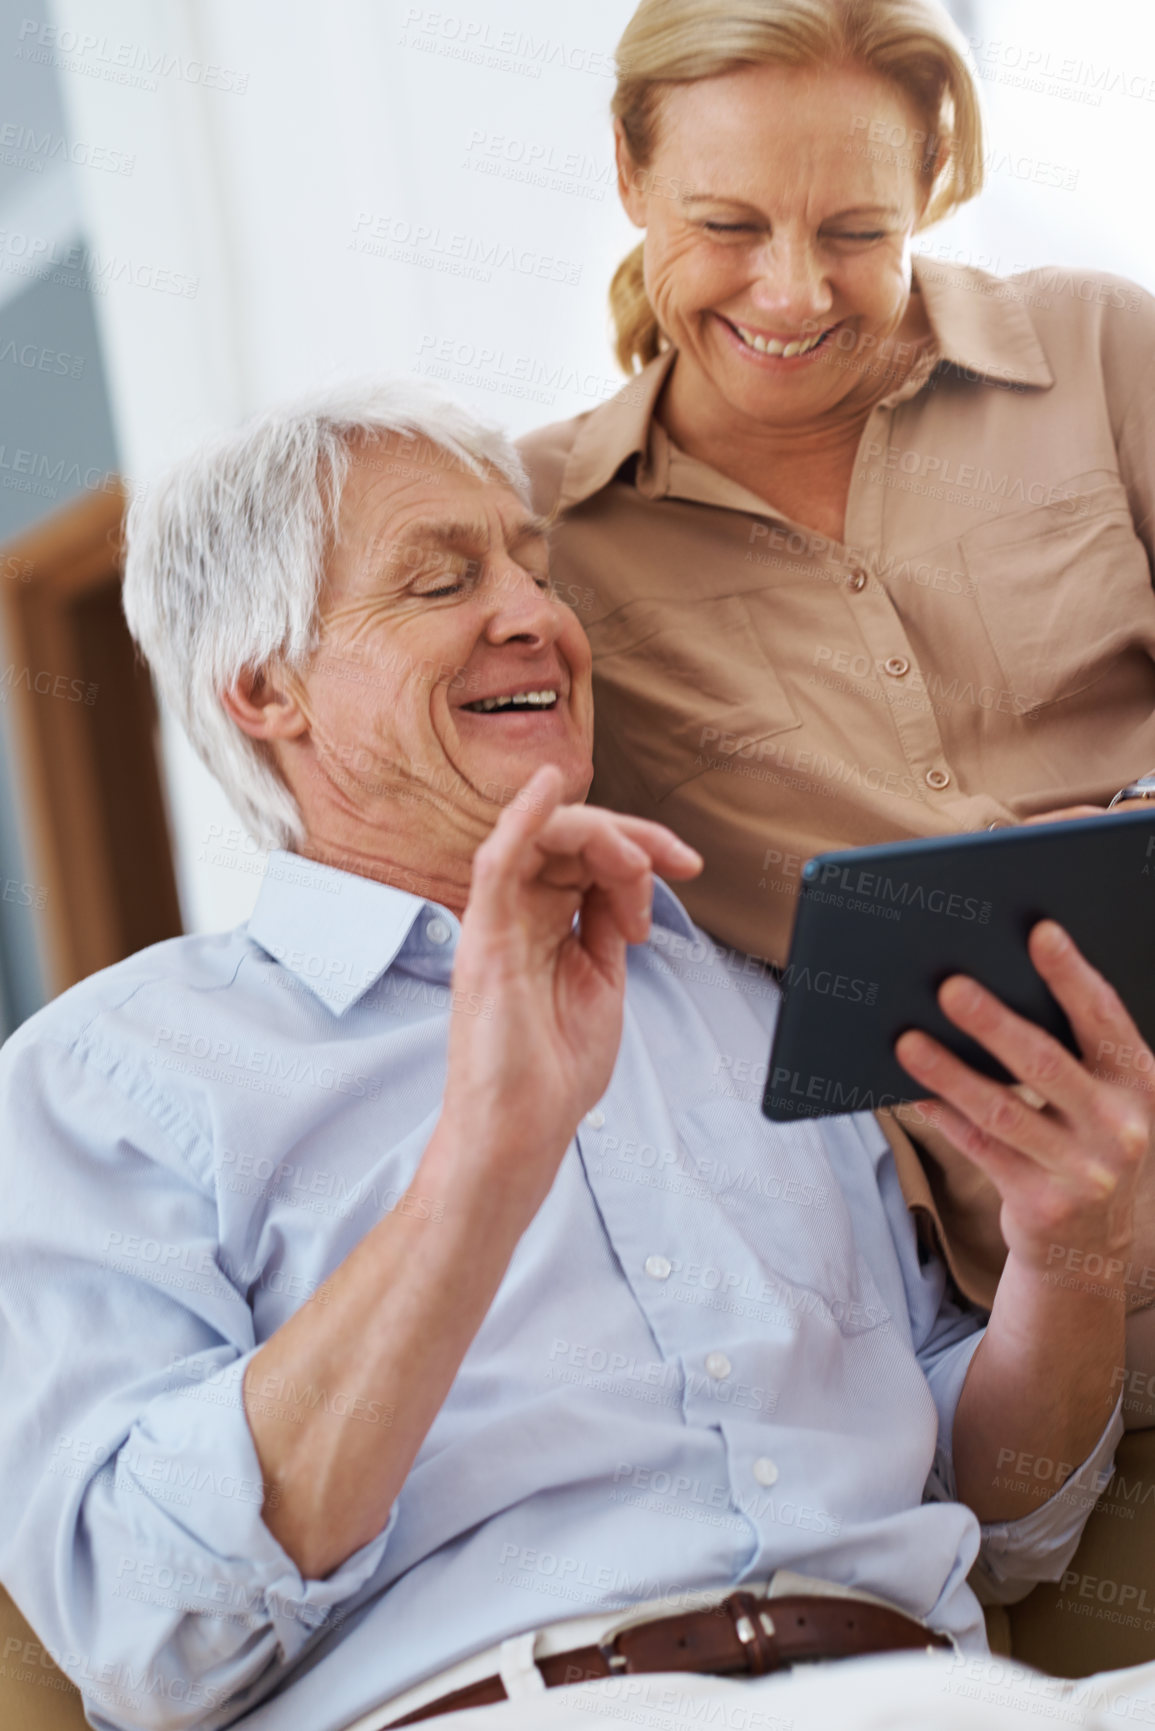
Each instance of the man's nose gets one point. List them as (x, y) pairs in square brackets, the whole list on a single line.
[(791, 288), (520, 606)]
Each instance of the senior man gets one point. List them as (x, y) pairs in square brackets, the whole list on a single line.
[(393, 1302)]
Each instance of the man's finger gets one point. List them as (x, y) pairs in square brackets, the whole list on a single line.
[(993, 1109), (1108, 1039), (1033, 1056), (570, 826), (505, 858), (1005, 1168)]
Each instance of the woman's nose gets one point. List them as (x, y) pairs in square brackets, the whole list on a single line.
[(791, 285)]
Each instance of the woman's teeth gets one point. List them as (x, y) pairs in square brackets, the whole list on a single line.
[(771, 345), (522, 700)]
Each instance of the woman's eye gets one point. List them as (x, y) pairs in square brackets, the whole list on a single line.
[(875, 234)]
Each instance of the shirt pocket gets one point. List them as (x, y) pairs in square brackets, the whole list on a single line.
[(1063, 590), (680, 684), (778, 1190)]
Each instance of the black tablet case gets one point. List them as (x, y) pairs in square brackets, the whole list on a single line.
[(878, 929)]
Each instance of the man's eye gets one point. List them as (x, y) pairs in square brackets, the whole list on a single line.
[(729, 227), (452, 583)]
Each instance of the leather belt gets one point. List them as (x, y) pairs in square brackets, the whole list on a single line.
[(743, 1636)]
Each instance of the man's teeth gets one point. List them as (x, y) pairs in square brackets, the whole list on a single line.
[(522, 700), (771, 345)]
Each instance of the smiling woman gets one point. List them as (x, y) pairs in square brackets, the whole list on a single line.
[(867, 540)]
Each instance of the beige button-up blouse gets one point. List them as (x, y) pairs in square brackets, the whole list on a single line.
[(980, 647)]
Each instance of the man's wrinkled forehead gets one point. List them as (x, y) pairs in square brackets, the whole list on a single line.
[(411, 505)]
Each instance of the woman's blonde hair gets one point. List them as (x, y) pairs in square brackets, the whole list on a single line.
[(913, 43)]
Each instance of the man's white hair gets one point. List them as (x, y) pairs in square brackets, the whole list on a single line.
[(226, 555)]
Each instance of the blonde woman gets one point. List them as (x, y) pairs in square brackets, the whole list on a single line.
[(866, 539)]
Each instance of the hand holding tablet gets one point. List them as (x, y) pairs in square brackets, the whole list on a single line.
[(879, 930)]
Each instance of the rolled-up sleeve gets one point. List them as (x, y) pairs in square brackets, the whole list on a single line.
[(1013, 1555), (131, 1532)]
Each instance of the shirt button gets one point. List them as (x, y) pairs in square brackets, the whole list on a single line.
[(438, 931), (856, 580), (659, 1267), (897, 666), (937, 778), (596, 1118), (765, 1471), (718, 1365)]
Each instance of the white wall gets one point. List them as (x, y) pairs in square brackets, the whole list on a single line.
[(386, 186)]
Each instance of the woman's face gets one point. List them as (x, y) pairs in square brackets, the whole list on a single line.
[(778, 210)]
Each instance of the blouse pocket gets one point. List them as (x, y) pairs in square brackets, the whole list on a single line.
[(1064, 590), (681, 684)]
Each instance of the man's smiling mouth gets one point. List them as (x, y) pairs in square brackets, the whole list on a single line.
[(541, 699)]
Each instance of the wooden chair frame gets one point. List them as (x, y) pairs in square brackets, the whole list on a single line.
[(84, 728)]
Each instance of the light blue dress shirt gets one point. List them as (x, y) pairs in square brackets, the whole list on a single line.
[(716, 1352)]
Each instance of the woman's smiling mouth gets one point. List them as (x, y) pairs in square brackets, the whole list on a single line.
[(754, 342)]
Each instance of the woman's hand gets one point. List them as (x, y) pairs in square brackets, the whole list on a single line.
[(522, 1075), (1068, 1170), (1090, 811)]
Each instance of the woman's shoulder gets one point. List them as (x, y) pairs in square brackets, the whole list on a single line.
[(545, 452), (1054, 286), (1091, 320)]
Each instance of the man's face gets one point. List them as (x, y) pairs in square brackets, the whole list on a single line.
[(437, 600)]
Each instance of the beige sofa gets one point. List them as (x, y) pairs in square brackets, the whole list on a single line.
[(1102, 1616)]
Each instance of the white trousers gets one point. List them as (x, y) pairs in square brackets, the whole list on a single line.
[(885, 1692)]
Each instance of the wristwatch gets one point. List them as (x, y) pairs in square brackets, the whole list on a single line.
[(1144, 788)]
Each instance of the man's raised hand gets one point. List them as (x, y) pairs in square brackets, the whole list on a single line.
[(524, 1070)]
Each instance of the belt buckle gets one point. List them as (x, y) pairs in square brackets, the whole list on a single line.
[(616, 1663), (754, 1627)]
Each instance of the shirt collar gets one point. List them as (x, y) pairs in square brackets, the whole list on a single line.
[(338, 932), (980, 324)]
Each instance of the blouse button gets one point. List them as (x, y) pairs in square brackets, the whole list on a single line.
[(897, 666), (937, 778), (857, 580)]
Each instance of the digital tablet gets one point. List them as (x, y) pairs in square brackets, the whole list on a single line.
[(878, 929)]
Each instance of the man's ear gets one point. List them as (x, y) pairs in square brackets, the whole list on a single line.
[(265, 704), (631, 179)]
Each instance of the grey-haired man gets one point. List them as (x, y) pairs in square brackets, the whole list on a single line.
[(394, 1306)]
